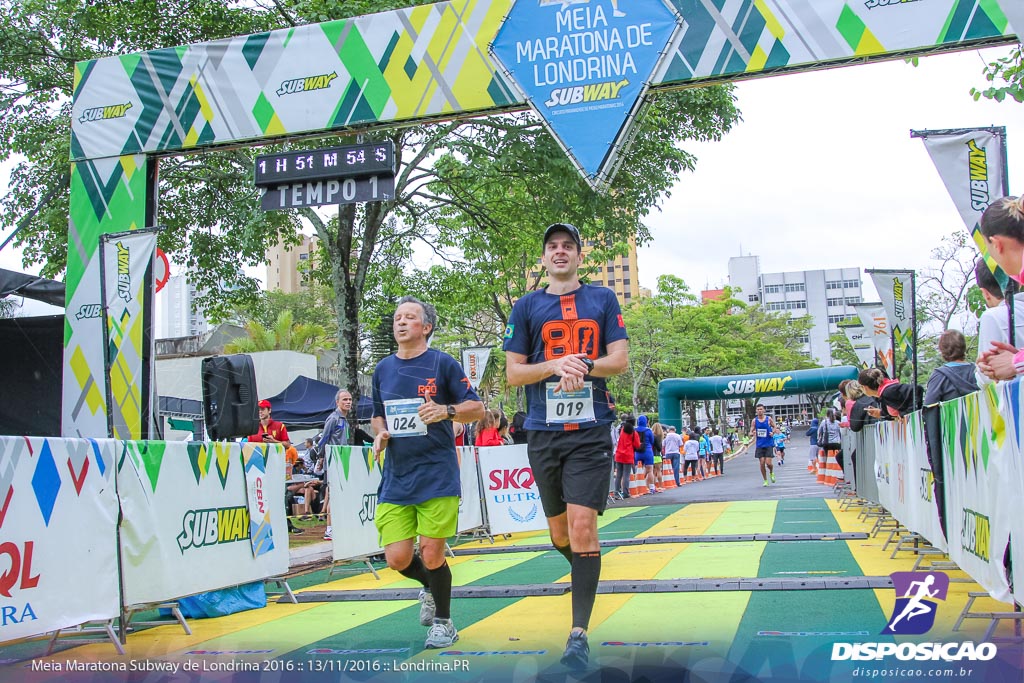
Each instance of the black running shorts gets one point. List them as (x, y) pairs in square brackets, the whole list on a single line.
[(763, 452), (571, 467)]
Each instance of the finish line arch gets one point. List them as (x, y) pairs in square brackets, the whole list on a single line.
[(672, 391), (408, 66)]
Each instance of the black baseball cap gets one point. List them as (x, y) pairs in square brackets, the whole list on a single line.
[(564, 227)]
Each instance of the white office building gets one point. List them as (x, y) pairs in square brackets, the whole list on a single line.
[(173, 310), (825, 295)]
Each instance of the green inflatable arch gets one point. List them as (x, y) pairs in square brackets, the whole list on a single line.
[(672, 391)]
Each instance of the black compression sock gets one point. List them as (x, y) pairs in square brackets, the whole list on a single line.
[(566, 551), (586, 572), (417, 571), (441, 589)]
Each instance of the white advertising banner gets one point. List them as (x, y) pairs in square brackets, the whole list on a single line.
[(1014, 483), (911, 482), (970, 163), (510, 492), (126, 266), (885, 470), (978, 462), (873, 318), (354, 478), (471, 514), (474, 362), (186, 525), (58, 525), (861, 341), (896, 290), (261, 528)]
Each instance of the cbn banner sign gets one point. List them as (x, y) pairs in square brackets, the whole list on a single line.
[(354, 477), (510, 492), (186, 526), (58, 525), (859, 337)]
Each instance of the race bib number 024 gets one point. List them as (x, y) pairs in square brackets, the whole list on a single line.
[(569, 406), (402, 417)]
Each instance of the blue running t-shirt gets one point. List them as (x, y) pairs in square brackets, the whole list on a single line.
[(543, 326), (418, 468)]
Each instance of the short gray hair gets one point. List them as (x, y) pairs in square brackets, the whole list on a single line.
[(429, 312)]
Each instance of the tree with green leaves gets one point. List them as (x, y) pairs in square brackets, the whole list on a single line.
[(473, 190), (1005, 76), (284, 335)]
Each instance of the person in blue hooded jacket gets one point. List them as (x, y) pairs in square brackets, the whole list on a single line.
[(812, 433), (645, 456)]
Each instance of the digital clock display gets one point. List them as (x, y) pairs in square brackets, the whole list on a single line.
[(349, 161)]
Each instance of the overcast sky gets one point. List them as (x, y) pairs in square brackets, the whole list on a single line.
[(821, 173)]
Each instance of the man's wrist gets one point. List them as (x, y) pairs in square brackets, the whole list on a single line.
[(589, 363), (450, 409)]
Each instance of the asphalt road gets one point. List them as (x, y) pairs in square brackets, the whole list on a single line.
[(742, 481)]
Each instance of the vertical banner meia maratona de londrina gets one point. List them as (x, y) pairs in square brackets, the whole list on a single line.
[(896, 290), (872, 316)]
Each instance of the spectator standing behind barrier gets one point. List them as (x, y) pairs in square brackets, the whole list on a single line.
[(947, 382), (625, 454), (994, 324), (487, 430), (1002, 224), (671, 449), (561, 342), (645, 454), (858, 416), (830, 436), (812, 433), (656, 444), (718, 450), (896, 399), (417, 393)]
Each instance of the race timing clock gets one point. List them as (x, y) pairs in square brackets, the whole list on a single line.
[(348, 161)]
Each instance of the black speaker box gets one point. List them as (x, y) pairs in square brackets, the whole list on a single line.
[(229, 397)]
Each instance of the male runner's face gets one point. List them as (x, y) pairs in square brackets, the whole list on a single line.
[(408, 325), (561, 257)]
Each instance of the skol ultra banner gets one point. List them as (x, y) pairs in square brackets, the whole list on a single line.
[(474, 362), (126, 266), (896, 290), (510, 492), (905, 479), (354, 477), (873, 317), (970, 163), (860, 339), (186, 525), (58, 534), (470, 509), (978, 461)]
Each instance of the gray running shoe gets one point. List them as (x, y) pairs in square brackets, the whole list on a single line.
[(577, 652), (442, 633), (426, 608)]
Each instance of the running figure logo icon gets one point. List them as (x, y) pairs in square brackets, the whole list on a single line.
[(917, 594)]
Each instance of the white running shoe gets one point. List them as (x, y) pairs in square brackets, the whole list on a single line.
[(442, 633), (329, 534), (426, 608)]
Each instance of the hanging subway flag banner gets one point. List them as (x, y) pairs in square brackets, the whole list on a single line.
[(860, 339), (896, 290), (584, 68), (474, 362), (874, 320), (970, 162)]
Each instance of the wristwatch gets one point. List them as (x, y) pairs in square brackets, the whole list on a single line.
[(451, 412), (589, 363)]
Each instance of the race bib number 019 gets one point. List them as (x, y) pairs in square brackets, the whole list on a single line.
[(570, 406), (402, 417)]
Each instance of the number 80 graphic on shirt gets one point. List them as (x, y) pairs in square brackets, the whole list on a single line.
[(565, 337)]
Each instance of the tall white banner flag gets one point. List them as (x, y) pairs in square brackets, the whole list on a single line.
[(874, 320), (860, 339), (474, 362), (896, 290), (126, 267), (970, 163)]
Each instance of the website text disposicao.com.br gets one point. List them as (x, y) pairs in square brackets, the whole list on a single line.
[(910, 672)]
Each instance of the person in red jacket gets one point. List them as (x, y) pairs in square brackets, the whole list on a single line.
[(629, 441), (487, 431)]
